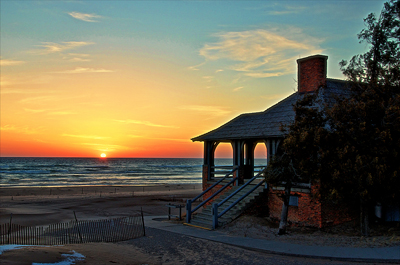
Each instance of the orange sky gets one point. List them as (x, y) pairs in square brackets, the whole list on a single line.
[(141, 78)]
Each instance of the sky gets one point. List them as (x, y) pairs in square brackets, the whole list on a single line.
[(141, 78)]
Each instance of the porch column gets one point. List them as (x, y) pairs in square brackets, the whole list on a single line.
[(272, 148), (238, 159), (208, 163), (249, 167)]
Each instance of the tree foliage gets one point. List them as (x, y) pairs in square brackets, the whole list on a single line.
[(353, 148)]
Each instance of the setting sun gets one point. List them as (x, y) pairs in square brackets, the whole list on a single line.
[(103, 155)]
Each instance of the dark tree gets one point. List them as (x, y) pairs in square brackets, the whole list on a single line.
[(366, 126), (353, 148), (296, 160)]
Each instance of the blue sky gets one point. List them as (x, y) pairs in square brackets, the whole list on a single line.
[(183, 67)]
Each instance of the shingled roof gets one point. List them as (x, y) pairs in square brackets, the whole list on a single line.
[(266, 124)]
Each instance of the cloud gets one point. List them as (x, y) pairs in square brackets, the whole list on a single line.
[(208, 78), (84, 17), (77, 59), (18, 129), (212, 111), (195, 67), (23, 91), (275, 96), (39, 99), (164, 139), (81, 70), (237, 89), (262, 53), (62, 113), (52, 47), (94, 137), (107, 147), (147, 123), (5, 62), (35, 110), (285, 10)]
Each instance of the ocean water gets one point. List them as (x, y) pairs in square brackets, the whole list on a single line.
[(50, 172)]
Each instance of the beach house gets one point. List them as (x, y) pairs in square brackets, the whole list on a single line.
[(228, 191)]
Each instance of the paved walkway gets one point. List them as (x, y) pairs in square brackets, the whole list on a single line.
[(385, 254)]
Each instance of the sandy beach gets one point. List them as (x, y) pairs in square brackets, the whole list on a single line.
[(46, 205), (40, 206)]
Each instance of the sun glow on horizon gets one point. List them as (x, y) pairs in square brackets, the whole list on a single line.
[(103, 155)]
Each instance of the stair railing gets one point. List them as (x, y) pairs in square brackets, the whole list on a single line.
[(215, 206), (189, 210)]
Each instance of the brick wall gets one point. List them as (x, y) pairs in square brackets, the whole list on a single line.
[(310, 210), (311, 73), (334, 213), (307, 213)]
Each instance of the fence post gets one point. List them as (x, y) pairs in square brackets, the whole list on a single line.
[(188, 210), (144, 229), (215, 215), (9, 229), (77, 227)]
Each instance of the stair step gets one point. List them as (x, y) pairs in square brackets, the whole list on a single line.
[(205, 218)]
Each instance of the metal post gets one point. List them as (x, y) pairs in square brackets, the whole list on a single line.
[(77, 227), (144, 229), (9, 229), (188, 210), (215, 215)]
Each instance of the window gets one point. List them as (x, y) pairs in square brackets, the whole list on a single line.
[(294, 201)]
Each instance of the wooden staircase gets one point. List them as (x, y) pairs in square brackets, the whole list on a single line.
[(204, 219)]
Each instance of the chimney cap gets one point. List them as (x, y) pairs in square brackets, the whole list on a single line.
[(312, 57)]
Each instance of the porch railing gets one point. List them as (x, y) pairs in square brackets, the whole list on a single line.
[(217, 205), (189, 210)]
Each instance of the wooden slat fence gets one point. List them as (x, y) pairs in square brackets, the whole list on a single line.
[(74, 232)]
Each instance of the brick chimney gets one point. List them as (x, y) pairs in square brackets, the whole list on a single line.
[(311, 73)]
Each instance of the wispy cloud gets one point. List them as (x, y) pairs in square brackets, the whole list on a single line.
[(237, 89), (208, 78), (275, 96), (35, 110), (147, 123), (94, 137), (77, 57), (18, 129), (23, 91), (280, 10), (52, 47), (82, 70), (50, 112), (212, 111), (39, 99), (62, 113), (107, 147), (262, 53), (164, 139), (6, 62), (195, 67), (84, 17)]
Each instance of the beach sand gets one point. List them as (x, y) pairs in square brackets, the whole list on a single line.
[(46, 205), (39, 206), (49, 205)]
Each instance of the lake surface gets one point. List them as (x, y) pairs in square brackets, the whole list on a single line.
[(29, 171)]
